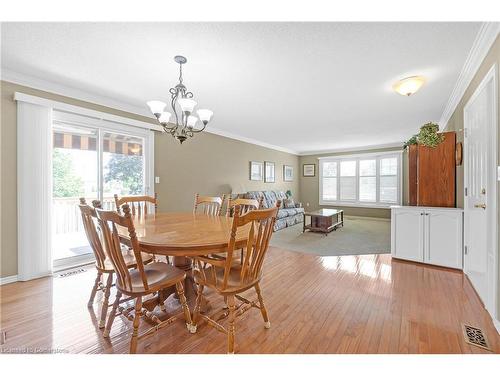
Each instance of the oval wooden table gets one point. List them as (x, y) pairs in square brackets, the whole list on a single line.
[(183, 235)]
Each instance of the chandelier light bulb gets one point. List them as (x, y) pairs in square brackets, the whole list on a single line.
[(164, 118), (409, 85), (156, 107), (187, 105), (205, 115), (191, 121)]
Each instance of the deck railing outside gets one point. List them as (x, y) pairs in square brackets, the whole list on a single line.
[(66, 216)]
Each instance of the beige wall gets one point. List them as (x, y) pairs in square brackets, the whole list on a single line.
[(208, 164), (309, 186), (456, 123)]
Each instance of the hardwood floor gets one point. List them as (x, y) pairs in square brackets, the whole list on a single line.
[(348, 304)]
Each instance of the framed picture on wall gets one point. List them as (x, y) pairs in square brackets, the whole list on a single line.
[(256, 171), (309, 170), (269, 171), (287, 173)]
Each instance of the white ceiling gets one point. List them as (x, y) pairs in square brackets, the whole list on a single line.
[(305, 87)]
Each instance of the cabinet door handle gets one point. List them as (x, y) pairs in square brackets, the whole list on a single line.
[(483, 206)]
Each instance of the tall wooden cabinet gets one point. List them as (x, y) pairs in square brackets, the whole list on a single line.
[(432, 173)]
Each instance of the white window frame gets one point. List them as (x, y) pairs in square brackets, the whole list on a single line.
[(357, 158)]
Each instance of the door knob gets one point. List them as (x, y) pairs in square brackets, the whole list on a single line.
[(483, 206)]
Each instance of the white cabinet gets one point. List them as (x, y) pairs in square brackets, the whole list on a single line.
[(427, 234)]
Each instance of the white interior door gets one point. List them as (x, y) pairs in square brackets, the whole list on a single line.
[(480, 182)]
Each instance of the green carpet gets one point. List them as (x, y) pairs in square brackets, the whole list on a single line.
[(358, 236)]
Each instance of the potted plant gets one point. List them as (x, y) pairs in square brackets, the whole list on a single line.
[(428, 136)]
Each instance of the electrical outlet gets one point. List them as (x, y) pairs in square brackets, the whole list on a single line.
[(157, 180), (307, 204)]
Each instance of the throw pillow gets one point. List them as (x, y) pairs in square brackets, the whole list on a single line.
[(288, 203)]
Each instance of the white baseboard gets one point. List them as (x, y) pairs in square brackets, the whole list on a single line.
[(8, 279), (367, 218)]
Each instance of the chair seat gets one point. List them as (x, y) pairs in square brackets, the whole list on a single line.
[(129, 258), (214, 279), (159, 275)]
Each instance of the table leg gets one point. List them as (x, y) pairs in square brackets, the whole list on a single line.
[(172, 302)]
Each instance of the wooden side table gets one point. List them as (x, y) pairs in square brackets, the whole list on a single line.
[(324, 220)]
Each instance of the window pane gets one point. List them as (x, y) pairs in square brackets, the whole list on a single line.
[(330, 189), (123, 166), (388, 166), (348, 168), (348, 188), (74, 175), (330, 169), (389, 189), (367, 167), (368, 189)]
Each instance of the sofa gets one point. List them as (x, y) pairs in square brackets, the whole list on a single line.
[(286, 216)]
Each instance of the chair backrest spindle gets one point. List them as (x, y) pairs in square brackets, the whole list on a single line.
[(139, 204), (245, 205), (211, 206)]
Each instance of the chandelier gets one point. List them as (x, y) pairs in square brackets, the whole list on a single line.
[(181, 98)]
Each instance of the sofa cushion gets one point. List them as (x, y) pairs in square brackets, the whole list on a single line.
[(288, 203)]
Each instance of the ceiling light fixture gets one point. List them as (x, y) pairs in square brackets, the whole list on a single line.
[(182, 100), (408, 86)]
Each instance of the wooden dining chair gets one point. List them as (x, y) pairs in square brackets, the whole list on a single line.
[(138, 203), (208, 205), (146, 279), (103, 264), (229, 280), (245, 205)]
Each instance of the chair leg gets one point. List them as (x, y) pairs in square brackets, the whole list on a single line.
[(94, 289), (230, 331), (267, 323), (187, 314), (105, 302), (197, 306), (111, 318), (137, 320)]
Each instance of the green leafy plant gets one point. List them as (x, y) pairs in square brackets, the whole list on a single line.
[(429, 135), (412, 141)]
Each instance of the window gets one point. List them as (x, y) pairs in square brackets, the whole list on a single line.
[(94, 160), (370, 180)]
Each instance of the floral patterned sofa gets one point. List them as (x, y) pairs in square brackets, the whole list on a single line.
[(287, 216)]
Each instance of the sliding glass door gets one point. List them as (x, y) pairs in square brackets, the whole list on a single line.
[(93, 160)]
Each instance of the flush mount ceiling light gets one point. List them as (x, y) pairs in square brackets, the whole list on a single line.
[(185, 122), (409, 85)]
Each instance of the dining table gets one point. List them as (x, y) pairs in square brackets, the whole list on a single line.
[(181, 236)]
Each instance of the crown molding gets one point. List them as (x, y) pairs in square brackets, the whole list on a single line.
[(55, 88), (480, 48), (227, 134), (71, 92), (352, 149)]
